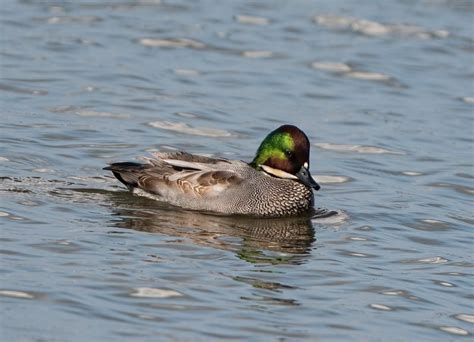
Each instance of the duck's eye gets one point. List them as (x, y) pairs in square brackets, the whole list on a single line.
[(289, 154)]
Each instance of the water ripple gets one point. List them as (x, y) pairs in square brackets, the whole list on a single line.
[(147, 292), (89, 82), (465, 318), (375, 29), (252, 20), (172, 43), (454, 330), (355, 148), (257, 54), (16, 294), (182, 127), (381, 307)]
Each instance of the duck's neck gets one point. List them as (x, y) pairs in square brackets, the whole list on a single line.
[(254, 164)]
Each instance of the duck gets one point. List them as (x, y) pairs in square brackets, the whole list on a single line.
[(276, 183)]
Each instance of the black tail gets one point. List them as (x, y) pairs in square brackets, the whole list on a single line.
[(127, 173)]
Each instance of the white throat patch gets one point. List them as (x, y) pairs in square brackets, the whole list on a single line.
[(277, 173)]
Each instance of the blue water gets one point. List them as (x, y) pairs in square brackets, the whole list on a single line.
[(384, 91)]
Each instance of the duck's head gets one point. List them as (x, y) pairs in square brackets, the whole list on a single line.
[(284, 153)]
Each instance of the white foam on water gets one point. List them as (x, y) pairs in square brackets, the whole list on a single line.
[(4, 214), (331, 66), (178, 42), (369, 28), (331, 179), (445, 283), (149, 292), (3, 159), (16, 218), (346, 70), (185, 128), (333, 21), (454, 330), (376, 29), (64, 242), (465, 318), (55, 20), (257, 54), (360, 255), (441, 33), (355, 148), (380, 307), (392, 293), (252, 20), (468, 99), (433, 260), (93, 113), (39, 92), (431, 221), (368, 76), (355, 238), (16, 294), (412, 173)]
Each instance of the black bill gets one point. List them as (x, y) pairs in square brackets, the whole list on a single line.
[(305, 177)]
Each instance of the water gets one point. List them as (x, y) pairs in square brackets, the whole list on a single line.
[(384, 92)]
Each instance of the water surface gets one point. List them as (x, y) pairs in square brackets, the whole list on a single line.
[(383, 90)]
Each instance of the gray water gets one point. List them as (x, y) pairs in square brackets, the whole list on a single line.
[(385, 92)]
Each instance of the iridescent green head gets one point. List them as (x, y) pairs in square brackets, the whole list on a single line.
[(284, 153)]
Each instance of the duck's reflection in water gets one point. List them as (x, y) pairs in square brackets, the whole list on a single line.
[(256, 240)]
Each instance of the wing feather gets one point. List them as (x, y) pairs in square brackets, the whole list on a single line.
[(171, 175), (195, 183)]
